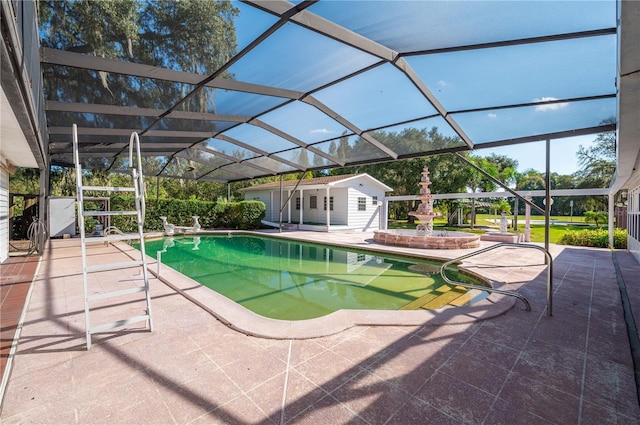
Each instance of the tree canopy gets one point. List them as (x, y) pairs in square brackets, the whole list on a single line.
[(150, 32)]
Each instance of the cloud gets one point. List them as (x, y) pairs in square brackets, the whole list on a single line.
[(443, 83), (492, 116), (322, 131), (551, 106)]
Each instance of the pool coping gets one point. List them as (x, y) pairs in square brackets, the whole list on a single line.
[(243, 320)]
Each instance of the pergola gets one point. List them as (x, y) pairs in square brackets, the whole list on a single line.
[(318, 85)]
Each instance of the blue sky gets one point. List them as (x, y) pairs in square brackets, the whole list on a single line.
[(462, 81), (533, 155)]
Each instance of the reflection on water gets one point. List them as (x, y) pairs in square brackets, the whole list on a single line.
[(289, 280)]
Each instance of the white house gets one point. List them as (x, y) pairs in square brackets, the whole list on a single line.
[(354, 202)]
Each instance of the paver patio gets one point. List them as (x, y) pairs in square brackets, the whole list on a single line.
[(521, 367)]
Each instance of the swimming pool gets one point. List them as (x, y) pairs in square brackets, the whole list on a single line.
[(291, 280)]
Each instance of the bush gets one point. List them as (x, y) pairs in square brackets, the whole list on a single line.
[(595, 237), (244, 215)]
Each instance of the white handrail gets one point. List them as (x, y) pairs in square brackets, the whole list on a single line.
[(137, 174), (79, 194), (548, 261), (76, 155)]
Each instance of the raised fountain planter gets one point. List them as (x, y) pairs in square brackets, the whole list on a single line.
[(424, 236), (437, 240), (503, 235)]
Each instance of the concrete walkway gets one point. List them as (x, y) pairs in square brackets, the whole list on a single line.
[(520, 367)]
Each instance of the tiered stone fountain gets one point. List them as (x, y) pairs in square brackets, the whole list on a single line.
[(424, 236), (425, 213)]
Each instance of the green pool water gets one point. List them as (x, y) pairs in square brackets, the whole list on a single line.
[(292, 281)]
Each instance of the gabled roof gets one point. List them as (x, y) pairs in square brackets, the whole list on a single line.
[(316, 183)]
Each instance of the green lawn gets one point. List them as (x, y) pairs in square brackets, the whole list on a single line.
[(564, 219), (537, 230)]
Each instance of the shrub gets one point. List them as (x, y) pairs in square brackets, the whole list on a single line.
[(595, 237), (244, 215), (248, 214)]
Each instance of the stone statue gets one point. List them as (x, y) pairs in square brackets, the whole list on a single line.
[(504, 223)]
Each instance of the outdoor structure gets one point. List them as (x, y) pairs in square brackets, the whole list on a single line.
[(425, 212), (504, 235), (424, 236), (354, 202)]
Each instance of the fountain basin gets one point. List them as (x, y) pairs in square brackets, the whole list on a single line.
[(437, 240)]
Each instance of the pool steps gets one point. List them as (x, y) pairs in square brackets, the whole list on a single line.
[(440, 298)]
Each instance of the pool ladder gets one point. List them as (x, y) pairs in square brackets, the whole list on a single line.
[(548, 261), (110, 235)]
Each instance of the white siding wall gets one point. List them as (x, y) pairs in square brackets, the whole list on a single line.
[(369, 219), (340, 214), (4, 214), (633, 222), (277, 204)]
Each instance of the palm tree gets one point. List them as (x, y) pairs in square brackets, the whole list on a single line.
[(597, 217)]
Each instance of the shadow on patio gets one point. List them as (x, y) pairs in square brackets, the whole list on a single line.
[(524, 367)]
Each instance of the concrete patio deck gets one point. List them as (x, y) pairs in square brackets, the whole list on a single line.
[(575, 367)]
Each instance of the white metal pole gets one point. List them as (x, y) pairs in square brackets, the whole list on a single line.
[(611, 212), (547, 189), (527, 220)]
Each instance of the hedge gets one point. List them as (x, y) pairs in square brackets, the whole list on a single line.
[(245, 215), (595, 237)]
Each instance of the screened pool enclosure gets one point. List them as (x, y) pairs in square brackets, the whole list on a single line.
[(227, 91)]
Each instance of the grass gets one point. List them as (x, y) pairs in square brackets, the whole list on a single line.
[(564, 219), (484, 222), (555, 232)]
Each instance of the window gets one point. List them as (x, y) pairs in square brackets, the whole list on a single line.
[(330, 203), (374, 200), (298, 203), (362, 204), (313, 202)]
